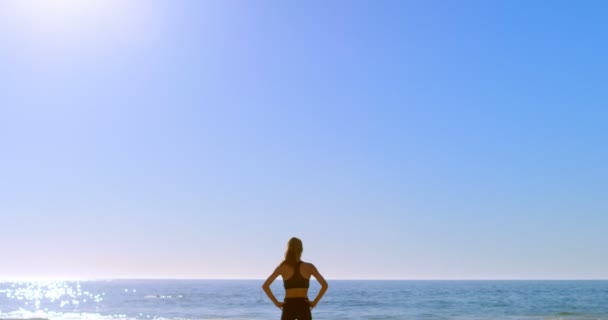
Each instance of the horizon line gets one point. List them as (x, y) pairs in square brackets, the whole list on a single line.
[(43, 279)]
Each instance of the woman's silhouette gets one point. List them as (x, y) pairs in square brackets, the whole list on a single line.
[(296, 277)]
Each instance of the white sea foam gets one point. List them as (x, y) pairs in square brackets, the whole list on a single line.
[(40, 315), (45, 315)]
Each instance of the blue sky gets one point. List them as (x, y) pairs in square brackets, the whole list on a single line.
[(398, 140)]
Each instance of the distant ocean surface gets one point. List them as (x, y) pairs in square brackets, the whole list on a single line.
[(245, 300)]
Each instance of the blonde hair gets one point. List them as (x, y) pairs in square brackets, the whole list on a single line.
[(293, 252)]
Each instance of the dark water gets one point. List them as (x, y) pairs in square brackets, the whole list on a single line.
[(244, 299)]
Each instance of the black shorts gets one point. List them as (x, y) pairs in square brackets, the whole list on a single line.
[(296, 308)]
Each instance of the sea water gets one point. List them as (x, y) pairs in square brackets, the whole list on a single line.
[(244, 299)]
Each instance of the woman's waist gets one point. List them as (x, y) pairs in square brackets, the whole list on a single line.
[(296, 299), (296, 293)]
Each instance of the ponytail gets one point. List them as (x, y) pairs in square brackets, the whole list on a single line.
[(294, 250)]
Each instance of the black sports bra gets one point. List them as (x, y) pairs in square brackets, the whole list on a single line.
[(296, 280)]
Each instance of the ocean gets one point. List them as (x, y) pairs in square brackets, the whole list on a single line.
[(345, 299)]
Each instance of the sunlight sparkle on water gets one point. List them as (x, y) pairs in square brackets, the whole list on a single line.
[(63, 293)]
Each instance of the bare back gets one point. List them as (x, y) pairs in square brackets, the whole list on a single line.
[(287, 271)]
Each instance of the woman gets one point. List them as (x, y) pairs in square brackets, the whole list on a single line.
[(296, 278)]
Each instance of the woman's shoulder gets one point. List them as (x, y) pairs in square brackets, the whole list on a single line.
[(285, 265)]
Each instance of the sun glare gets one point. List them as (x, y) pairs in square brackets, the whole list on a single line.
[(56, 13), (77, 23)]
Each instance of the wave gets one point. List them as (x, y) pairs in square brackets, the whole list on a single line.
[(24, 319), (565, 313), (48, 315), (98, 317), (38, 315)]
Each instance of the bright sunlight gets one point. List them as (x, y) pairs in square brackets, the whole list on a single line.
[(68, 24)]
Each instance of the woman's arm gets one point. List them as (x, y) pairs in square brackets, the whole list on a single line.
[(266, 287), (324, 286)]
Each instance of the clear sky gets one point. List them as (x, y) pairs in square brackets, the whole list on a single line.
[(397, 139)]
